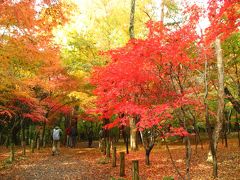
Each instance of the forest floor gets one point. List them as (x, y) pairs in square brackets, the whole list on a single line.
[(89, 164)]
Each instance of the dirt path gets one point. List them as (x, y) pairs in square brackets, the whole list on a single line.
[(70, 164), (84, 164)]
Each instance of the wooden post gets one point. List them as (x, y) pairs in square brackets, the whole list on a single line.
[(32, 145), (122, 164), (135, 170), (114, 157)]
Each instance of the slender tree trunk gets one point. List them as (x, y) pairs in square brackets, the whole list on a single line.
[(223, 133), (132, 13), (12, 146), (147, 156), (208, 125), (187, 143), (127, 139), (125, 134), (197, 134), (133, 134), (108, 149), (238, 129), (23, 142), (11, 140), (173, 163), (162, 10), (44, 141), (188, 156), (104, 146), (198, 139), (43, 133), (1, 138), (220, 110), (226, 126), (27, 135), (196, 142), (133, 129), (114, 158)]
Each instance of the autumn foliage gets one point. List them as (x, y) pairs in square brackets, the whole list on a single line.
[(158, 80), (147, 77)]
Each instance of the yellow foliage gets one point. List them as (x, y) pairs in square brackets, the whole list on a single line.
[(85, 100)]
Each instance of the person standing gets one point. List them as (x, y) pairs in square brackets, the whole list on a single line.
[(56, 134)]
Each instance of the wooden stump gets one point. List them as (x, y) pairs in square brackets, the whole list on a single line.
[(135, 170), (114, 157), (122, 164)]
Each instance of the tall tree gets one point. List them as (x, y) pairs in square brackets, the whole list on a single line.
[(133, 121), (223, 17)]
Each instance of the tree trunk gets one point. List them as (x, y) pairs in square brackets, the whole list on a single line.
[(187, 144), (162, 10), (104, 146), (108, 149), (132, 13), (1, 138), (43, 133), (126, 144), (208, 125), (114, 158), (238, 129), (44, 141), (133, 134), (27, 134), (12, 146), (23, 142), (226, 126), (171, 158), (147, 156), (125, 134), (220, 110), (188, 156), (197, 134)]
